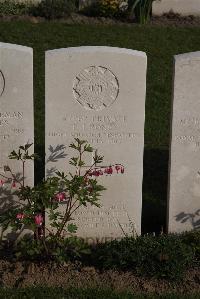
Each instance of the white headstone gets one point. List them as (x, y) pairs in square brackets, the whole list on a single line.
[(184, 191), (16, 114), (98, 94), (183, 7)]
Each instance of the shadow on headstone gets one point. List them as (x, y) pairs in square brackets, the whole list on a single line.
[(155, 178), (39, 163), (9, 201), (54, 154), (193, 218)]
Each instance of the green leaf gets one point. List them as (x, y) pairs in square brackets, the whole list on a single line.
[(72, 145), (81, 163), (28, 145), (88, 148), (31, 251), (74, 161), (72, 228), (13, 155), (80, 142)]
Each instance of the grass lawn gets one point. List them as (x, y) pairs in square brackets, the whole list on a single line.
[(160, 44), (59, 293)]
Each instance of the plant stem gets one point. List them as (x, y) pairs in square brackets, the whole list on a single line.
[(80, 158), (74, 210), (66, 218), (23, 172), (45, 246), (13, 178)]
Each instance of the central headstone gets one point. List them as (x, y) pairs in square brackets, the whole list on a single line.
[(98, 94), (16, 118)]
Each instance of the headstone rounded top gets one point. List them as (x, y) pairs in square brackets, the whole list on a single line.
[(90, 49), (187, 56), (95, 88), (15, 47)]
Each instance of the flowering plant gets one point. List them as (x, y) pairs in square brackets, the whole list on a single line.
[(112, 8), (73, 190), (107, 8)]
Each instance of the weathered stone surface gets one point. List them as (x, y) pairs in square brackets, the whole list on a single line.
[(183, 7), (16, 113), (184, 192), (98, 94)]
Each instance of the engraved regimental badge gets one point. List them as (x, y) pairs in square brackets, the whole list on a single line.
[(96, 88), (2, 83)]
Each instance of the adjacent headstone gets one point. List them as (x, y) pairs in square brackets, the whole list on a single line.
[(98, 94), (183, 7), (16, 115), (184, 191)]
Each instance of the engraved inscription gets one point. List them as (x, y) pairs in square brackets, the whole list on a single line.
[(4, 137), (11, 123), (98, 138), (2, 83), (96, 88), (97, 129), (5, 117), (107, 217), (188, 132)]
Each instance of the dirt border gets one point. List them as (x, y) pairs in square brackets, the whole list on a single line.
[(170, 19), (18, 275)]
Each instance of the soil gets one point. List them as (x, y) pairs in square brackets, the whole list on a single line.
[(170, 19), (22, 274)]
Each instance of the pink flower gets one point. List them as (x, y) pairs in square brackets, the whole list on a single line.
[(2, 183), (108, 170), (38, 219), (13, 184), (60, 196), (118, 167), (100, 172), (20, 216), (96, 172)]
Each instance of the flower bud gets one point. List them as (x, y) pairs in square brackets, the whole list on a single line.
[(38, 219), (60, 196), (2, 182), (13, 184), (20, 216), (108, 170), (118, 167)]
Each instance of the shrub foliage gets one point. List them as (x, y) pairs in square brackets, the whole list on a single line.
[(54, 9), (165, 256)]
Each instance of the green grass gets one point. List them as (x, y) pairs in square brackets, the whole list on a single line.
[(72, 293), (160, 44)]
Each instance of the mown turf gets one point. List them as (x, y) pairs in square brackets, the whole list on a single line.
[(59, 293), (160, 44)]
